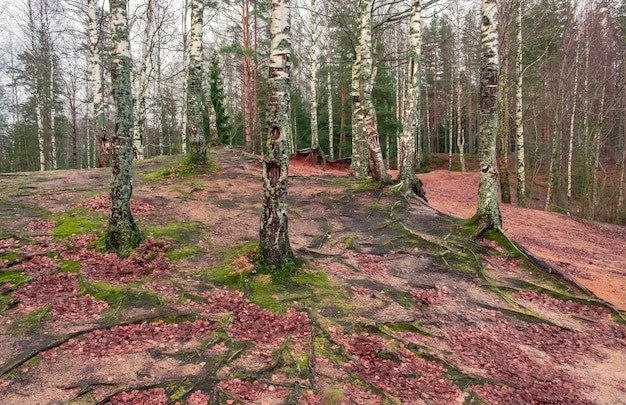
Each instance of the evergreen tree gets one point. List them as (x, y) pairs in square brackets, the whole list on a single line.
[(217, 95)]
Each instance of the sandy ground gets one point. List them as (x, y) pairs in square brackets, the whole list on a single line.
[(593, 253)]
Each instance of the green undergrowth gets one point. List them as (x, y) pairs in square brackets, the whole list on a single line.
[(181, 237), (183, 168), (78, 221), (9, 256), (119, 298), (304, 287), (14, 277), (32, 321)]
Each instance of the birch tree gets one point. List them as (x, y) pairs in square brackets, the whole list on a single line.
[(146, 51), (367, 117), (488, 212), (122, 232), (519, 103), (410, 121), (195, 98), (95, 63), (313, 55), (274, 246)]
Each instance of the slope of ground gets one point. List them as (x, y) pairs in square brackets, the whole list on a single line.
[(593, 253), (394, 304)]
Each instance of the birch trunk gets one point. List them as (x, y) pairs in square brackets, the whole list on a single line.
[(570, 149), (274, 244), (519, 125), (410, 119), (359, 163), (460, 134), (366, 80), (40, 129), (122, 232), (488, 212), (143, 83), (53, 142), (503, 122), (195, 98), (331, 146), (96, 85), (315, 143), (247, 106), (183, 138)]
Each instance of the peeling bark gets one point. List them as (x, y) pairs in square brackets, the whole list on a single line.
[(274, 245)]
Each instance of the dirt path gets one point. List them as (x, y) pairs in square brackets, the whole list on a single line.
[(593, 253)]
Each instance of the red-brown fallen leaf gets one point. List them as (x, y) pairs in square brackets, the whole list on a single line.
[(372, 265), (39, 265), (198, 398), (154, 396), (101, 203), (78, 307), (136, 337), (430, 296), (40, 226), (47, 289)]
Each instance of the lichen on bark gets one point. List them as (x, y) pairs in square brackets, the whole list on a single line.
[(122, 233)]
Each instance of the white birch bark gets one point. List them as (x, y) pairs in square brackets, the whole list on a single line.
[(331, 135), (488, 211), (359, 161), (140, 126), (184, 140), (366, 74), (519, 125), (274, 237), (410, 118), (96, 83), (195, 105), (570, 149), (53, 142), (313, 52)]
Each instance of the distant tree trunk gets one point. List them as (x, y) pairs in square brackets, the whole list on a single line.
[(331, 146), (342, 123), (184, 140), (359, 163), (460, 134), (143, 83), (519, 124), (410, 117), (366, 76), (96, 85), (503, 123), (570, 149), (247, 114), (122, 232), (40, 128), (53, 141), (315, 143), (195, 98), (488, 212), (274, 244)]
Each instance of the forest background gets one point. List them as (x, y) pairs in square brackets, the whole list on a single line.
[(565, 56)]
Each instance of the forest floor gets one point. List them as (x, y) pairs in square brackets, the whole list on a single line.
[(395, 304)]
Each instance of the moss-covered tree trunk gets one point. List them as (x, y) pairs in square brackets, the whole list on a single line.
[(274, 238), (195, 98), (488, 212), (122, 232), (406, 149)]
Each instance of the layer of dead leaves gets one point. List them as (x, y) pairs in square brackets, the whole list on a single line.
[(568, 307), (101, 204), (400, 373), (148, 259), (250, 390), (429, 296), (134, 338)]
